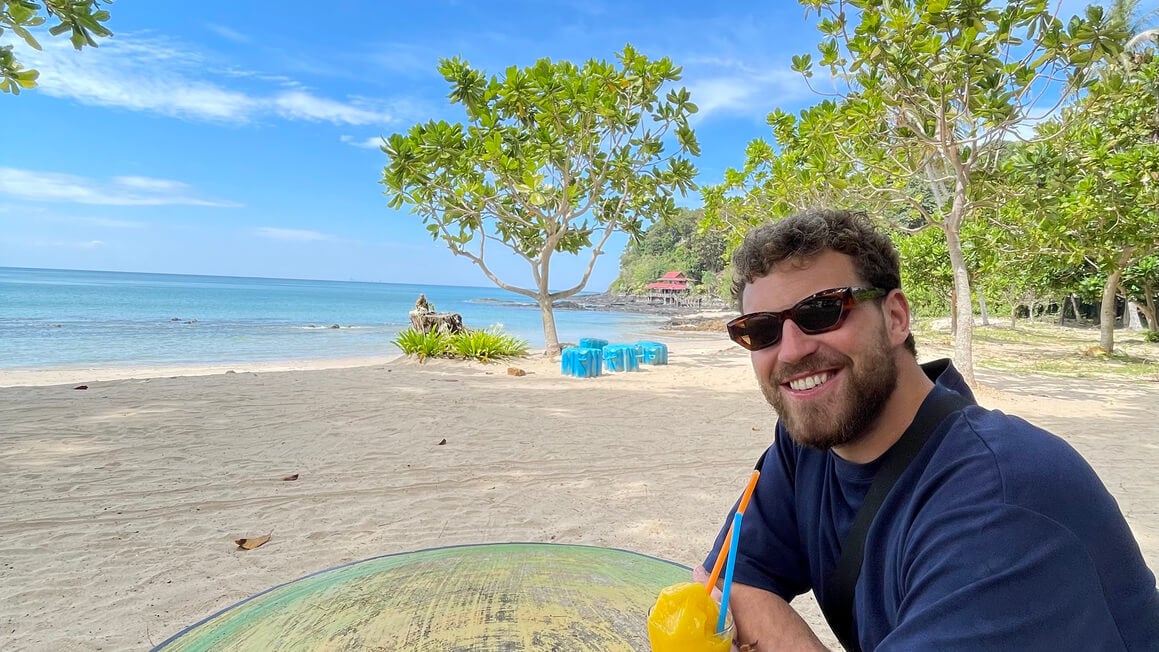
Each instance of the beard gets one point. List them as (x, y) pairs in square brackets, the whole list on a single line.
[(843, 418)]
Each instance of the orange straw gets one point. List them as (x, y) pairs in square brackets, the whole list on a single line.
[(720, 557)]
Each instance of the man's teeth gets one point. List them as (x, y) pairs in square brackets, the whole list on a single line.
[(809, 382)]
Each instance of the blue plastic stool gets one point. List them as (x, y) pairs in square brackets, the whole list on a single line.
[(654, 353), (582, 362), (620, 357), (592, 343)]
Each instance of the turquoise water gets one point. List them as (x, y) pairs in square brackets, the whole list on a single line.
[(65, 318)]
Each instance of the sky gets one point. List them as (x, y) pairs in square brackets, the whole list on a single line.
[(241, 138)]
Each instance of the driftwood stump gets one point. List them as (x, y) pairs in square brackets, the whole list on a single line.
[(425, 322), (424, 319)]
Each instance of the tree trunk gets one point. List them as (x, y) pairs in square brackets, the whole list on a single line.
[(1068, 299), (982, 306), (1132, 317), (1030, 309), (1110, 293), (964, 335), (1149, 308), (547, 311), (1013, 316), (954, 310), (1107, 311)]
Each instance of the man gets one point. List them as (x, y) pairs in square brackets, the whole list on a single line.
[(995, 536)]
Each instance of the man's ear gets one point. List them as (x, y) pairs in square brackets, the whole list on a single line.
[(897, 316)]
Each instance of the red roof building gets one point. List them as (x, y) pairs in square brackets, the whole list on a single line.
[(671, 282)]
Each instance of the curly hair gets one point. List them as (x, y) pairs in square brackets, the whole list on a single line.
[(811, 232)]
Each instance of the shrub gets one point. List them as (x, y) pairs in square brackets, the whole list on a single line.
[(1151, 336), (484, 345), (487, 345), (435, 344)]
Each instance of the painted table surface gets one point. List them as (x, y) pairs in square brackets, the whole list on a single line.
[(484, 598)]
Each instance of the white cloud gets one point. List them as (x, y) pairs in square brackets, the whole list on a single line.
[(120, 191), (374, 142), (300, 105), (152, 75), (711, 95), (296, 235), (89, 244), (728, 85), (754, 95), (227, 33), (155, 185)]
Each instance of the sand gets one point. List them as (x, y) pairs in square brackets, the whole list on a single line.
[(122, 501)]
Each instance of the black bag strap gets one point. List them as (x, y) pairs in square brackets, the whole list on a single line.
[(838, 607)]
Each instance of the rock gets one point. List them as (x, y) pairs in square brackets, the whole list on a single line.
[(442, 443), (515, 371), (335, 326)]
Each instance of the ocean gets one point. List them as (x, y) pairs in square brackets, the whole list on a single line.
[(66, 319)]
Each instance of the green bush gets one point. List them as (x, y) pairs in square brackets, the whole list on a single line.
[(483, 345), (1151, 336), (487, 345), (435, 344)]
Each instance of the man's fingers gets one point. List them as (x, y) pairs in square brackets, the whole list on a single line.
[(699, 575)]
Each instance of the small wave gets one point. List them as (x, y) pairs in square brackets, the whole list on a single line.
[(502, 302)]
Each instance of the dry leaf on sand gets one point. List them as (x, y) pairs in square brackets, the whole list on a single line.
[(251, 543), (290, 478)]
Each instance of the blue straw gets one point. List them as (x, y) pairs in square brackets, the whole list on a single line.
[(729, 565)]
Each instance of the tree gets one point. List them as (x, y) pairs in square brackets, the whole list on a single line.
[(82, 18), (1141, 283), (554, 158), (802, 171), (1097, 180), (930, 89)]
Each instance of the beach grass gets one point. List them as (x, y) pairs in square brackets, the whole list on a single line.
[(482, 345)]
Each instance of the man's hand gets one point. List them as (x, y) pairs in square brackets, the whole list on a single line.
[(765, 619), (700, 576)]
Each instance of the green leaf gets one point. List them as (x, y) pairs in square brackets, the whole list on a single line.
[(26, 35), (802, 62)]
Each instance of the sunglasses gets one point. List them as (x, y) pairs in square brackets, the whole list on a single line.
[(818, 313)]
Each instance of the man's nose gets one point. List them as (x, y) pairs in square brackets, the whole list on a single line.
[(795, 344)]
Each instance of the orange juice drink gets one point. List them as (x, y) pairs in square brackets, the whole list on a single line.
[(684, 620)]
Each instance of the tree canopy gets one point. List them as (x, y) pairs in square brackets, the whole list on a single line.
[(552, 159), (1095, 183), (920, 90)]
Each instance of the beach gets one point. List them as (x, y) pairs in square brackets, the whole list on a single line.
[(123, 500)]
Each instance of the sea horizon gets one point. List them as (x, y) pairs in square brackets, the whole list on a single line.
[(61, 319), (275, 278)]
